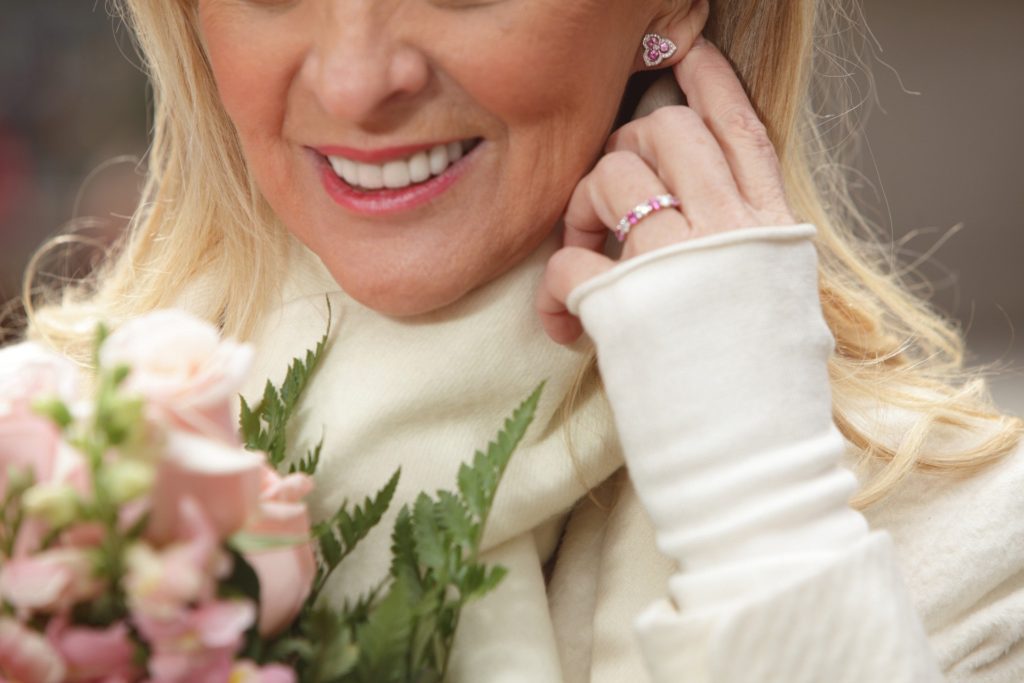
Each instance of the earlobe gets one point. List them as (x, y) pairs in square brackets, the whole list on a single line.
[(679, 29)]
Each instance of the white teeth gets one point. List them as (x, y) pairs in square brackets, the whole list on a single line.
[(350, 172), (338, 164), (371, 176), (438, 160), (396, 174), (419, 168), (400, 173)]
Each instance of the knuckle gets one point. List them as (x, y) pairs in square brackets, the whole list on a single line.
[(675, 117), (614, 165), (669, 120), (744, 123), (558, 265), (618, 159)]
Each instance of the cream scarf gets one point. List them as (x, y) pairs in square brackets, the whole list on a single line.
[(423, 393)]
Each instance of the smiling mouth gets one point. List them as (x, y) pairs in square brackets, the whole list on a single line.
[(398, 174)]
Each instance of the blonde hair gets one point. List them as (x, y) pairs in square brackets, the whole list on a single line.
[(202, 217), (200, 211)]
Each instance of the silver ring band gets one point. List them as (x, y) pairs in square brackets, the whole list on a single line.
[(642, 211)]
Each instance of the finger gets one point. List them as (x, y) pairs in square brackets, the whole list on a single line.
[(567, 268), (677, 145), (714, 91), (618, 183)]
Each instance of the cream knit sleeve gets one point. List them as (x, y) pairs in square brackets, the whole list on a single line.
[(714, 357)]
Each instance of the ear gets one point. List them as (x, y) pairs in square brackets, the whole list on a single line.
[(681, 23)]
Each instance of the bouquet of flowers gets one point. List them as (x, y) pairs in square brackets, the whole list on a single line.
[(143, 536)]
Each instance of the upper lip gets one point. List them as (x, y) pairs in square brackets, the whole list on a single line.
[(381, 154)]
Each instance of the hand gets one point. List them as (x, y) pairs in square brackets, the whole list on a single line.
[(714, 155)]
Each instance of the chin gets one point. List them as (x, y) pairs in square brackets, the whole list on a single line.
[(403, 296)]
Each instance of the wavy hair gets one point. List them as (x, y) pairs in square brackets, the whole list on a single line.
[(201, 217)]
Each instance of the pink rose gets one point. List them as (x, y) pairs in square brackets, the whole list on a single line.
[(95, 655), (223, 480), (50, 581), (285, 574), (29, 444), (187, 375), (26, 657), (29, 371)]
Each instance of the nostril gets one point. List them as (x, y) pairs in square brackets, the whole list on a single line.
[(354, 78), (409, 70)]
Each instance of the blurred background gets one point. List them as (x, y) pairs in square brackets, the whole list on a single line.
[(939, 169)]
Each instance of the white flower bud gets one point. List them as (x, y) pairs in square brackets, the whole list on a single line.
[(55, 503), (127, 480)]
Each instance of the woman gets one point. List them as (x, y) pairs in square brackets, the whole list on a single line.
[(434, 167)]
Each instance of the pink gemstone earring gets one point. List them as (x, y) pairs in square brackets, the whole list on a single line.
[(657, 49)]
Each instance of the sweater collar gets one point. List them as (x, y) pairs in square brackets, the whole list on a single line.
[(423, 393)]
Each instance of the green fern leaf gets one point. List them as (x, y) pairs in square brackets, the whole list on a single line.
[(489, 583), (430, 545), (384, 639), (453, 516), (479, 484), (334, 653), (435, 546), (310, 463), (471, 488), (264, 426), (404, 631), (405, 565), (339, 535), (355, 526), (330, 549), (249, 424)]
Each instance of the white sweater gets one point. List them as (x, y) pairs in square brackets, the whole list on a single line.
[(729, 554)]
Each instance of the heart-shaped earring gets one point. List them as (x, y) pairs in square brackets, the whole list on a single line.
[(657, 49)]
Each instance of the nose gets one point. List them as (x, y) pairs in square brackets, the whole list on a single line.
[(359, 63)]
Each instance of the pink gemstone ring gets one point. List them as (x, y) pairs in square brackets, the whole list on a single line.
[(642, 211)]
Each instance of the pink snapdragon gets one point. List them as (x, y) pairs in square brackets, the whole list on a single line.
[(197, 645), (26, 656), (162, 583), (160, 491), (95, 655), (50, 581), (247, 672)]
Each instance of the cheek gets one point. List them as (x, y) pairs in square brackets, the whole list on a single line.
[(556, 90), (554, 82), (251, 66), (528, 74)]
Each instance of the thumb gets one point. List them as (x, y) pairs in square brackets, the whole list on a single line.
[(567, 268)]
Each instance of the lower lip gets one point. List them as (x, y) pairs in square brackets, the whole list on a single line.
[(386, 201)]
